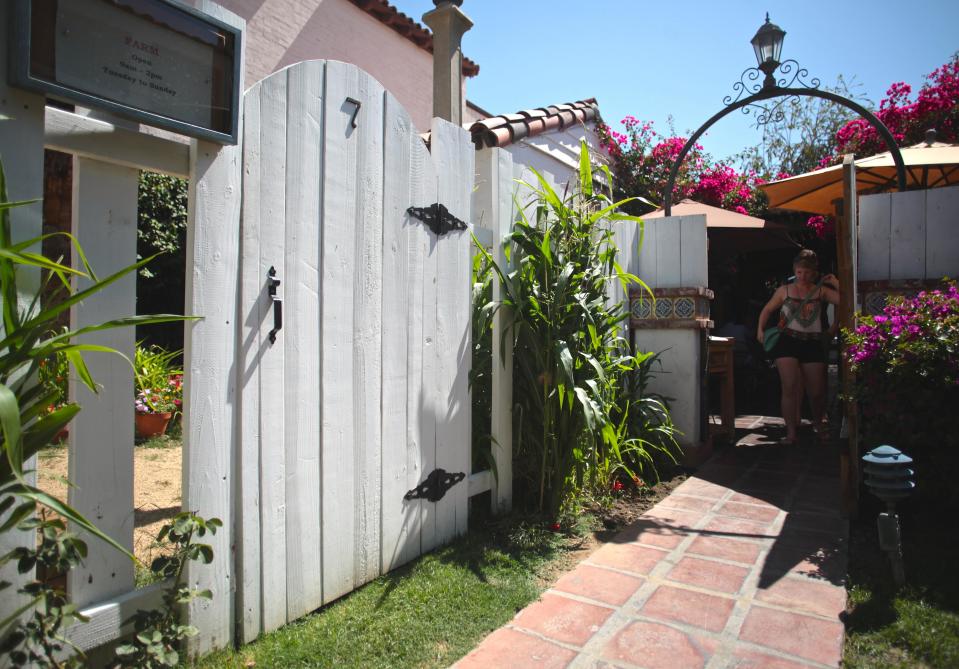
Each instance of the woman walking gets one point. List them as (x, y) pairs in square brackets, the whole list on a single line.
[(799, 355)]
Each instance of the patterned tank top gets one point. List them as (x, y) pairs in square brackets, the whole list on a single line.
[(802, 321)]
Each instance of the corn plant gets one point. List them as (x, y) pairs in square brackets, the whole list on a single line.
[(571, 360)]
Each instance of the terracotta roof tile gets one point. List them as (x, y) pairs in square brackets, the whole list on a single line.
[(389, 15), (505, 129), (518, 130)]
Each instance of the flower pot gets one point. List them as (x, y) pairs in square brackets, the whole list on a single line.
[(151, 424)]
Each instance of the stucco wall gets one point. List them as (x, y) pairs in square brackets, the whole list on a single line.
[(282, 32), (557, 152)]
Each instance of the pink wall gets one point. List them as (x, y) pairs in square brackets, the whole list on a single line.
[(283, 32)]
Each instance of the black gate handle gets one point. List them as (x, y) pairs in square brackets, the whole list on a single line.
[(271, 284)]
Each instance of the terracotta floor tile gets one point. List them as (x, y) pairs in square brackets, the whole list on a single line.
[(510, 649), (603, 585), (740, 527), (563, 619), (825, 564), (653, 532), (656, 646), (810, 638), (709, 575), (817, 522), (726, 549), (687, 502), (745, 658), (700, 488), (775, 499), (674, 517), (763, 514), (671, 604), (806, 596), (628, 557)]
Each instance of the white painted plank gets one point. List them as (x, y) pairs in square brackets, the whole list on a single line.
[(338, 253), (367, 138), (692, 248), (453, 158), (908, 239), (21, 148), (423, 354), (484, 236), (254, 308), (502, 206), (668, 252), (272, 211), (210, 357), (648, 265), (942, 232), (401, 456), (479, 482), (101, 436), (875, 234), (92, 138), (301, 337)]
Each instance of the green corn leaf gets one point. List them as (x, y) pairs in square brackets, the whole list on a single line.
[(585, 170)]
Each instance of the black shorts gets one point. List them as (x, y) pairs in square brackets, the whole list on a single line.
[(804, 350)]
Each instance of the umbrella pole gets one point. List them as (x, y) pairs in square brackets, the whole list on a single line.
[(847, 216)]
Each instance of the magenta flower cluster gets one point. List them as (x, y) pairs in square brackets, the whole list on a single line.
[(822, 226), (918, 336), (935, 106), (642, 160)]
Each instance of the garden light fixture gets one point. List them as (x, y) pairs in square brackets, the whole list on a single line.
[(889, 478), (768, 45)]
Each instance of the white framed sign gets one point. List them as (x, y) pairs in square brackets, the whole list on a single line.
[(156, 61)]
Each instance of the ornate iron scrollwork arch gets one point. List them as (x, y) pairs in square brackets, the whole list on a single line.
[(783, 89)]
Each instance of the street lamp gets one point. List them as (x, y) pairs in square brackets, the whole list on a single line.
[(768, 45), (749, 93)]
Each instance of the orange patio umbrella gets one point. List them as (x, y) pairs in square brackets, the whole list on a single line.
[(928, 165)]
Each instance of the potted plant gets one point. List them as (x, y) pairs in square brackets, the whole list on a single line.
[(159, 390)]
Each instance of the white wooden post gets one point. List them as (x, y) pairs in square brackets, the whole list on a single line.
[(21, 148), (104, 221), (209, 428), (493, 208)]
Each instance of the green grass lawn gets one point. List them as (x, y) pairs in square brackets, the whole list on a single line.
[(428, 614), (914, 626)]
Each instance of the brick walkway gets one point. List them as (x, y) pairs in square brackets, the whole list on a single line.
[(741, 566)]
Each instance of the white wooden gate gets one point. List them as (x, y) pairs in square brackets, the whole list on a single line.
[(364, 391)]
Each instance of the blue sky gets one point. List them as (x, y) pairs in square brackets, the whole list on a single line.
[(680, 58)]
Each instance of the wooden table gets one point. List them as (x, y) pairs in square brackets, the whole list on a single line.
[(721, 365)]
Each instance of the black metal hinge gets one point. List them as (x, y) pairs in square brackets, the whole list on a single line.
[(437, 218), (435, 485)]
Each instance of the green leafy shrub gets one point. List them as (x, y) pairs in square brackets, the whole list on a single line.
[(574, 423), (39, 640), (159, 633), (906, 362)]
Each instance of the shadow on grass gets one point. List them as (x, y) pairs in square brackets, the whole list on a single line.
[(489, 544)]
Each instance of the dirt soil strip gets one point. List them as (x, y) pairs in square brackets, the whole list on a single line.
[(156, 489)]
